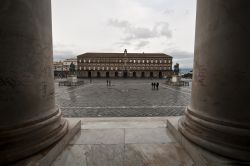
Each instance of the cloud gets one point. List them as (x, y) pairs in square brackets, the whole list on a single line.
[(184, 58), (163, 29), (123, 43), (178, 54), (142, 44), (119, 24), (61, 52), (168, 11), (132, 32)]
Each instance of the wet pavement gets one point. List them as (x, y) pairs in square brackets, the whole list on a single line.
[(124, 98)]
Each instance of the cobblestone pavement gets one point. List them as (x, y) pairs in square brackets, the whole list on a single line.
[(124, 98)]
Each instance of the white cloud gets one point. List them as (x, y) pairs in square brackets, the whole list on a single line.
[(142, 44), (138, 25), (160, 29)]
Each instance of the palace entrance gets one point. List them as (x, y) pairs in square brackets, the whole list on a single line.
[(125, 74)]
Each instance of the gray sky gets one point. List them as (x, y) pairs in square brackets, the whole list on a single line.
[(165, 26)]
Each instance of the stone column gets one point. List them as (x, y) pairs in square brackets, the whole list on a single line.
[(218, 117), (29, 119)]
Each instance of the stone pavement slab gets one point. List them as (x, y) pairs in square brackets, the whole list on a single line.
[(147, 136), (170, 154), (124, 146), (91, 155), (99, 136)]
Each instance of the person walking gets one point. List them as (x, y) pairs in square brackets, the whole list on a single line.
[(157, 85), (152, 84), (107, 82)]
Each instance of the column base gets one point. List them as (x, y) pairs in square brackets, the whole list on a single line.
[(223, 138), (23, 141), (48, 155)]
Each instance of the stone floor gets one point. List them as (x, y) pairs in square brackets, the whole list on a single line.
[(124, 98), (124, 142)]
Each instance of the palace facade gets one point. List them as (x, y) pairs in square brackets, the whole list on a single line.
[(124, 65)]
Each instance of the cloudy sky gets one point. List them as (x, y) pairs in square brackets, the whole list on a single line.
[(165, 26)]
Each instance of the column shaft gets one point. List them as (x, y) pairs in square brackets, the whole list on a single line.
[(218, 117), (29, 119)]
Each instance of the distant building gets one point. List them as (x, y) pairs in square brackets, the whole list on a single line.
[(61, 68), (58, 69), (124, 65), (67, 63)]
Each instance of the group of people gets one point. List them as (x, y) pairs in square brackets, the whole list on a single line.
[(108, 82), (155, 85)]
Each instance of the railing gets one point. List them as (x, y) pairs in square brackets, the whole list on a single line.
[(179, 83), (69, 83)]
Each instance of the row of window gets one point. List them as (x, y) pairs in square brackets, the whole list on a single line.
[(128, 61), (132, 68), (117, 64)]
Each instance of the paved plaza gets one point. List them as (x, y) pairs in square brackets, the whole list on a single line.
[(124, 98)]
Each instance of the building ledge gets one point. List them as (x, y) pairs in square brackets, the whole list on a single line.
[(201, 156)]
